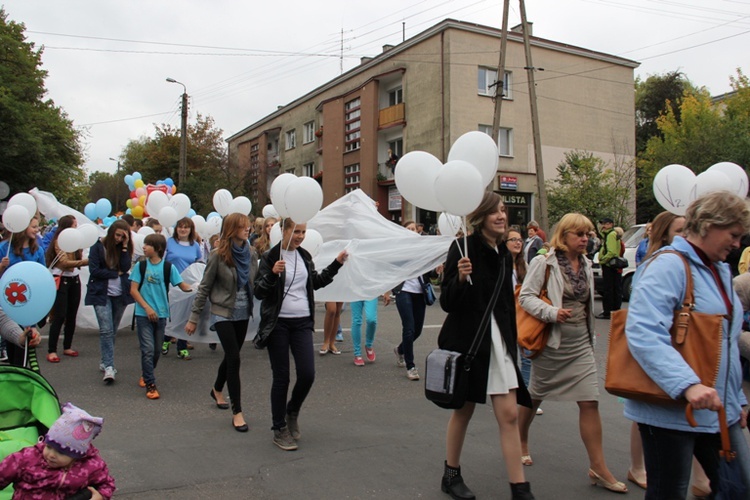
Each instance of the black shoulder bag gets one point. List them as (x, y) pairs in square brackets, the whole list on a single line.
[(447, 372)]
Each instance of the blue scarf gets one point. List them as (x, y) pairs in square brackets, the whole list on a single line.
[(241, 257)]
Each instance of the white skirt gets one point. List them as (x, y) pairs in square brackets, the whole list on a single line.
[(501, 378)]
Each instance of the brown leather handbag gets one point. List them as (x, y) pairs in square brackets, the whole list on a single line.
[(695, 335), (533, 333)]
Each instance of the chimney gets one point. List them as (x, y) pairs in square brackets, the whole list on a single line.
[(365, 59), (387, 47), (518, 28)]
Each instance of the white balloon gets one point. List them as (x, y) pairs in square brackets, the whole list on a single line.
[(275, 235), (3, 206), (89, 234), (303, 199), (449, 224), (673, 186), (155, 202), (138, 242), (16, 218), (145, 231), (480, 150), (200, 225), (25, 200), (69, 240), (4, 190), (736, 174), (458, 187), (710, 181), (213, 226), (241, 205), (181, 203), (278, 188), (415, 179), (312, 242), (270, 211), (168, 217), (222, 201)]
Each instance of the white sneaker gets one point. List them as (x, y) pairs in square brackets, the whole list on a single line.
[(539, 411), (109, 375), (412, 374), (399, 358)]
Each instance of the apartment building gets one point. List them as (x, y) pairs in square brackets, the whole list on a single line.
[(427, 91)]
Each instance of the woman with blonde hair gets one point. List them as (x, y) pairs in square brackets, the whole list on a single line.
[(566, 369), (494, 371), (263, 242)]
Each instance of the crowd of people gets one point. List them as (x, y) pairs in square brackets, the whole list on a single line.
[(242, 264)]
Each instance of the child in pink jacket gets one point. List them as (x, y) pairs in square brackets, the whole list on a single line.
[(63, 465)]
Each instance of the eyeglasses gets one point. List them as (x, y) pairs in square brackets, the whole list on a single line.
[(580, 234), (515, 240)]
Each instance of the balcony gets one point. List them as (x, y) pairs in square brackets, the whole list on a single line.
[(385, 173), (392, 115)]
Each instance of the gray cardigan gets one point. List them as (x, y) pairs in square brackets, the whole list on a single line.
[(9, 329), (219, 285)]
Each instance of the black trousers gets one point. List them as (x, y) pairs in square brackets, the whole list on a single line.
[(232, 336), (612, 297), (64, 312)]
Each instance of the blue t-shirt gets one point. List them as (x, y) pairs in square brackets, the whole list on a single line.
[(181, 256), (26, 255), (153, 291)]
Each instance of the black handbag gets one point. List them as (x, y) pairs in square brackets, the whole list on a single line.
[(446, 381), (618, 263)]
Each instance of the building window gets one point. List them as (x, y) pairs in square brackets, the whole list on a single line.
[(395, 96), (291, 171), (291, 139), (486, 77), (352, 125), (504, 139), (254, 148), (308, 132), (308, 169), (351, 178)]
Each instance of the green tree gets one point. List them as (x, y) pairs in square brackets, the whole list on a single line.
[(588, 185), (39, 147), (158, 157)]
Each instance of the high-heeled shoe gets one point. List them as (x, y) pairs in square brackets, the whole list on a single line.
[(597, 480), (221, 406), (640, 482)]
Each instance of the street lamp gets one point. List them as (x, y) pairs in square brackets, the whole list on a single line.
[(117, 185), (183, 135)]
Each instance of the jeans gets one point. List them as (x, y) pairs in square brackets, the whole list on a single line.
[(108, 316), (612, 297), (65, 312), (525, 367), (371, 312), (739, 445), (668, 455), (232, 337), (411, 307), (150, 337), (295, 334)]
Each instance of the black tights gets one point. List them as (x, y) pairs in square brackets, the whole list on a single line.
[(232, 336)]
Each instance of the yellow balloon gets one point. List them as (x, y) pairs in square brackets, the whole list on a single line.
[(174, 189), (137, 212), (142, 200), (138, 183)]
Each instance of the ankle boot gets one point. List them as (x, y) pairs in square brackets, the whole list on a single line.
[(453, 484), (521, 491)]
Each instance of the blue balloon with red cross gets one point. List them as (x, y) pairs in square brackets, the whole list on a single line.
[(27, 292)]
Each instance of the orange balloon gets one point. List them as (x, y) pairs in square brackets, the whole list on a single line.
[(174, 189)]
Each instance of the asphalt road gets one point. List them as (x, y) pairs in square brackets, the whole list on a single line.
[(368, 432)]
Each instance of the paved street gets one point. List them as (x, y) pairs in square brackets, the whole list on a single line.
[(367, 432)]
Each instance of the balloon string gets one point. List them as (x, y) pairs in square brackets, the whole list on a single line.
[(289, 243), (55, 260), (10, 240), (466, 244)]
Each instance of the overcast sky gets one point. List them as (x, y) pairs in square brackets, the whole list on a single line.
[(108, 60)]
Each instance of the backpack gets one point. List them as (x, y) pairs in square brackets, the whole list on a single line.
[(167, 274)]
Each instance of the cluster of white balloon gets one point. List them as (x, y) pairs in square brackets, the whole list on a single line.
[(19, 211), (299, 199), (455, 188), (676, 186), (76, 238)]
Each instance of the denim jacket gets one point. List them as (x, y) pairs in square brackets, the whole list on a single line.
[(660, 289)]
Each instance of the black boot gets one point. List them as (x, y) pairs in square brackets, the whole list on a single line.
[(521, 491), (453, 484)]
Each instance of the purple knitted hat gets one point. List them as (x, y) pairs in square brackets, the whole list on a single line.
[(72, 433)]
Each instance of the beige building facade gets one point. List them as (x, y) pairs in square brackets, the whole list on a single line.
[(425, 93)]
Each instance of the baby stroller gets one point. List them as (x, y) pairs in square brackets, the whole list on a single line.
[(28, 407)]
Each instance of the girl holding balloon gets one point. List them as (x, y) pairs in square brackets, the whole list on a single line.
[(66, 267), (109, 289)]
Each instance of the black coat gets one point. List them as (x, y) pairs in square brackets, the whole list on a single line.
[(466, 303), (269, 287)]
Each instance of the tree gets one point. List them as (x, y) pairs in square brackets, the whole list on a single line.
[(588, 185), (208, 170), (39, 147)]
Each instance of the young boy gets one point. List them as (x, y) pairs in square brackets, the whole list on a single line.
[(152, 306)]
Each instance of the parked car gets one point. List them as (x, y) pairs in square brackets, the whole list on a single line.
[(632, 237)]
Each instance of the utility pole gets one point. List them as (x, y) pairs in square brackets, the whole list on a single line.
[(541, 191), (117, 185), (499, 84), (183, 135)]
